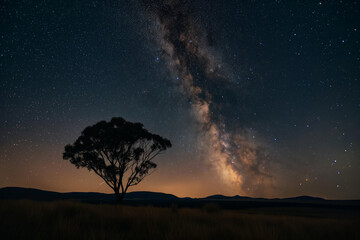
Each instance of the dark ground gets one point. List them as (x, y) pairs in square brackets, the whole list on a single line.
[(36, 214)]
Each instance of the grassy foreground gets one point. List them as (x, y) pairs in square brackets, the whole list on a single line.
[(71, 220)]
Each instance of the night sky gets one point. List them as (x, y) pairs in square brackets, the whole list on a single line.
[(259, 98)]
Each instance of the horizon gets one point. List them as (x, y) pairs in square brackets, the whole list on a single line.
[(258, 98), (193, 197)]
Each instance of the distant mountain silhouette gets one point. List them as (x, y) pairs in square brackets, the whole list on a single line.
[(305, 198), (36, 194), (237, 197), (150, 195), (163, 199), (222, 197)]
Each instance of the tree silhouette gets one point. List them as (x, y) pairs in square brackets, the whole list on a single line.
[(120, 152)]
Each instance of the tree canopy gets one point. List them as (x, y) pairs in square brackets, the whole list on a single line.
[(120, 152)]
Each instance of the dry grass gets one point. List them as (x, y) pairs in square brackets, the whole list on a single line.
[(70, 220)]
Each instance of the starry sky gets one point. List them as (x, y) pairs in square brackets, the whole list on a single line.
[(259, 98)]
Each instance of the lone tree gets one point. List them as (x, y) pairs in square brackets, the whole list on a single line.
[(120, 152)]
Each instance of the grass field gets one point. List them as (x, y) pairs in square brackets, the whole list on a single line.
[(23, 219)]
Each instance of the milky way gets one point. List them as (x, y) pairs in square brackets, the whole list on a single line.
[(207, 84)]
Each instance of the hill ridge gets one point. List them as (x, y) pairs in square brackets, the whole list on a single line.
[(37, 194)]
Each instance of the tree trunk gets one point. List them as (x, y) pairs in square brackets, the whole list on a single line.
[(119, 197)]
